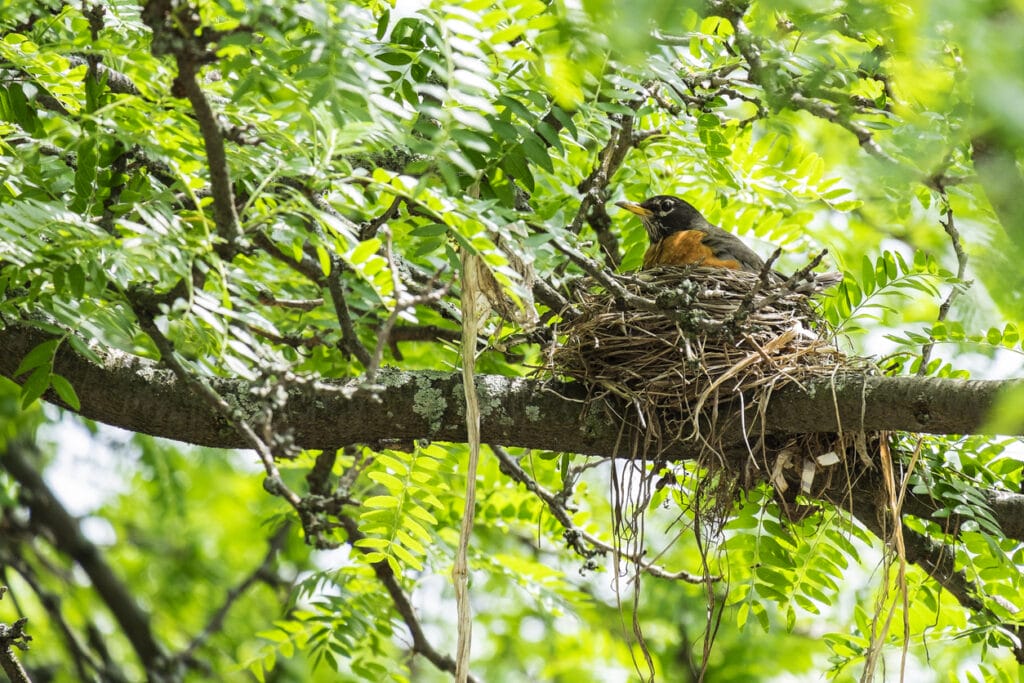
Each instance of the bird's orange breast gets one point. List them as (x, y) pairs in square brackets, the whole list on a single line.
[(683, 249)]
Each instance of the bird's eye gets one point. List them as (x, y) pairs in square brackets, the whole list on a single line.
[(666, 206)]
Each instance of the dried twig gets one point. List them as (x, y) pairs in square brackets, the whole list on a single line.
[(575, 537), (404, 301), (949, 226)]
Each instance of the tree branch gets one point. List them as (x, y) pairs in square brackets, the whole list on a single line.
[(48, 512), (14, 558), (263, 572), (177, 31), (949, 225), (310, 268), (136, 394), (10, 637), (420, 643), (584, 544)]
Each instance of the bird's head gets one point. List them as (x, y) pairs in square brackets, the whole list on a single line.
[(664, 214)]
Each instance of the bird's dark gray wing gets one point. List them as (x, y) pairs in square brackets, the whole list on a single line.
[(727, 246)]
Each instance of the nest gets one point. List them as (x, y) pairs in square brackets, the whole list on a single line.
[(684, 353)]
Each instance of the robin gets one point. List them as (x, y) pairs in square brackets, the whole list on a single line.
[(681, 236)]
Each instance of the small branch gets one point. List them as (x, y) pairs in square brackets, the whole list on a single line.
[(604, 278), (370, 228), (116, 81), (826, 111), (319, 475), (225, 215), (274, 484), (577, 538), (11, 637), (263, 572), (550, 297), (403, 302), (317, 201), (413, 333), (268, 299), (49, 513), (51, 602), (349, 337), (420, 644), (766, 77), (961, 270), (418, 333), (296, 341), (594, 188), (310, 268), (177, 31)]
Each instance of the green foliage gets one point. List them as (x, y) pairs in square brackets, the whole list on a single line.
[(793, 566), (397, 521), (368, 144), (881, 287)]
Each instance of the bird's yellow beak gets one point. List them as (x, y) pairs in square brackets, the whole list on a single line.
[(633, 207)]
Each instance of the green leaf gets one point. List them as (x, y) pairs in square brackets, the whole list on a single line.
[(536, 151), (388, 481), (1011, 335), (550, 135), (514, 164), (384, 502), (393, 463), (422, 514), (65, 391), (324, 257), (373, 543), (76, 278), (364, 250), (719, 151), (82, 348), (518, 108), (35, 386), (565, 119), (405, 556), (40, 356)]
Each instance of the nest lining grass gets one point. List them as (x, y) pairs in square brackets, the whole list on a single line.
[(680, 352)]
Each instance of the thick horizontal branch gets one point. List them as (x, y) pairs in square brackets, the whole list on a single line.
[(139, 395)]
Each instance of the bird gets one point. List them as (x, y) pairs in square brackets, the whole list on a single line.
[(680, 236)]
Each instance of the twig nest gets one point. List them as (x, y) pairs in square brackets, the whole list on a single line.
[(682, 346), (688, 333)]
